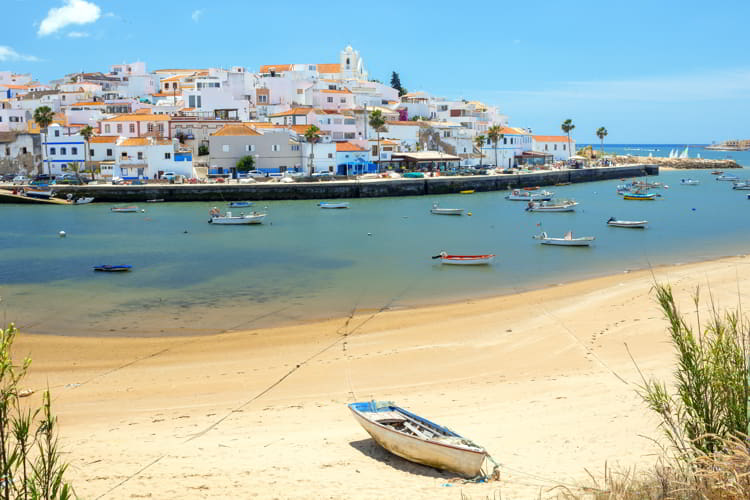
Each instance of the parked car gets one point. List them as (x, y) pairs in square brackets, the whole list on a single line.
[(43, 178), (247, 180), (169, 175), (255, 174), (117, 181), (20, 179), (7, 177)]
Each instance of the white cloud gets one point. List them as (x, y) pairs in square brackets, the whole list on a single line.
[(8, 54), (78, 34), (196, 15), (72, 12)]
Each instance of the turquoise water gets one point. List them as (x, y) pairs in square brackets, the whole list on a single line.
[(741, 157), (306, 263)]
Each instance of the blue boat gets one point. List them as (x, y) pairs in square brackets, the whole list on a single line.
[(112, 269), (240, 204)]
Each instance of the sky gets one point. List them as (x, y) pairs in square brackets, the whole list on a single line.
[(649, 71)]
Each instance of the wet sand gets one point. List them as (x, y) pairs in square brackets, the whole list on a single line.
[(541, 379)]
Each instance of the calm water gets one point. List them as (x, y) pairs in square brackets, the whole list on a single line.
[(306, 263), (741, 157)]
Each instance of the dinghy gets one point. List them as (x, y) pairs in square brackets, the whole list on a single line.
[(417, 439), (635, 224), (333, 205), (124, 210), (83, 201), (465, 260), (565, 241), (521, 195), (240, 204), (639, 196), (689, 182), (445, 211), (552, 206), (728, 178), (229, 219), (112, 269)]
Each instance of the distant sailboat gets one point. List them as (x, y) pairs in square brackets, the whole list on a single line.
[(650, 155), (685, 154), (699, 155)]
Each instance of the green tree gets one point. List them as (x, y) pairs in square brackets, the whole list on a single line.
[(202, 150), (29, 453), (495, 134), (75, 167), (601, 133), (44, 116), (377, 122), (312, 135), (245, 164), (479, 143), (396, 83), (87, 132), (567, 126)]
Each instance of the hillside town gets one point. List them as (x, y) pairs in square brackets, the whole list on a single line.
[(294, 119)]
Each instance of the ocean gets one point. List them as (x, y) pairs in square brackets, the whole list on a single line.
[(663, 150), (304, 263)]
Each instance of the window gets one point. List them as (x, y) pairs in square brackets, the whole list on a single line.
[(295, 147), (7, 151), (167, 156), (225, 148), (64, 167), (150, 127), (63, 151), (563, 147), (330, 155), (132, 128), (331, 87), (74, 151), (249, 148), (161, 128), (52, 151), (191, 101), (349, 121), (109, 153), (119, 128), (124, 154), (555, 147), (140, 155), (275, 148), (330, 99), (343, 100), (446, 133), (262, 99), (505, 140), (57, 133), (546, 147), (125, 172), (24, 151)]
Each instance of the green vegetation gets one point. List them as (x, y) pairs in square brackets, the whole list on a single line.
[(479, 142), (495, 134), (567, 127), (87, 132), (377, 122), (30, 465), (312, 135), (245, 164), (202, 150), (44, 116), (601, 133), (396, 84)]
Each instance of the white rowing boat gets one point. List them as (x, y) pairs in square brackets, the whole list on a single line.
[(124, 210), (565, 241), (445, 211), (689, 182), (333, 205), (417, 439), (551, 206), (242, 219), (523, 195), (465, 260), (635, 224)]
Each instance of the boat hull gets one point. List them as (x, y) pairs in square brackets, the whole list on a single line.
[(636, 197), (331, 206), (467, 260), (112, 269), (447, 211), (463, 461), (240, 220), (578, 242), (124, 210), (633, 224)]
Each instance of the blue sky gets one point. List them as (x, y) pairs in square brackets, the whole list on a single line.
[(661, 72)]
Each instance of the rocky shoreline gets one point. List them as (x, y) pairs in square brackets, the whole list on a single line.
[(679, 163)]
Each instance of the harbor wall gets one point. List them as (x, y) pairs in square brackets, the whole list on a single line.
[(374, 188)]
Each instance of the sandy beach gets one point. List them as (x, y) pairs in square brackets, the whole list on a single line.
[(542, 379)]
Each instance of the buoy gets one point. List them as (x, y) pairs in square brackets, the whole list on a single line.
[(369, 234), (62, 234), (185, 231), (693, 210), (143, 210), (468, 213)]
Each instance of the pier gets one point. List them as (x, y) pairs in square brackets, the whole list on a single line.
[(370, 188)]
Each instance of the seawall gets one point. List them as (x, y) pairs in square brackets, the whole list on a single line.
[(374, 188)]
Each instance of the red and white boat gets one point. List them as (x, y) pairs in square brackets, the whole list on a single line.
[(124, 210), (465, 260)]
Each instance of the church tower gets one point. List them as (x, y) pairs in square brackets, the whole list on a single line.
[(351, 64)]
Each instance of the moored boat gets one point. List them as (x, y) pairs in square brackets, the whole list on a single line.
[(689, 182), (229, 219), (83, 200), (467, 191), (465, 260), (334, 205), (552, 206), (635, 224), (113, 269), (240, 204), (639, 196), (728, 178), (521, 195), (123, 210), (741, 185), (566, 241), (417, 439), (445, 211)]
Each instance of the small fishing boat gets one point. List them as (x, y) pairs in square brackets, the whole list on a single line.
[(465, 260), (728, 178), (639, 196), (741, 186), (334, 205), (566, 241), (635, 224), (521, 195), (532, 188), (83, 200), (240, 204), (112, 269), (229, 219), (445, 211), (417, 439), (155, 200), (552, 206), (124, 210), (467, 191), (42, 194), (717, 172), (689, 182)]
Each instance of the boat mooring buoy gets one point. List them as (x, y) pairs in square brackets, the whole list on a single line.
[(62, 234), (469, 214), (369, 234)]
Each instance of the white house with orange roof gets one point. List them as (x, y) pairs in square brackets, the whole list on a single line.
[(136, 125), (509, 149), (102, 148), (340, 125), (556, 145), (150, 158), (296, 116), (334, 99), (353, 159)]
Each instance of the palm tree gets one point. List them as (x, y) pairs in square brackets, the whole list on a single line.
[(377, 122), (567, 126), (602, 133), (87, 132), (479, 142), (44, 116), (311, 136), (494, 134)]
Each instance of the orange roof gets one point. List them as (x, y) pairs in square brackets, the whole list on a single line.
[(179, 71), (234, 131), (138, 118), (277, 67), (135, 141), (329, 68), (19, 87), (331, 91), (143, 111), (348, 146), (513, 131), (389, 142), (412, 123), (166, 94), (551, 138), (89, 103), (294, 111), (301, 129), (102, 139)]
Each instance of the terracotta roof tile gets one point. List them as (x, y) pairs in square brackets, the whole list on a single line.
[(235, 131), (348, 146), (551, 138), (329, 68), (103, 139), (135, 141)]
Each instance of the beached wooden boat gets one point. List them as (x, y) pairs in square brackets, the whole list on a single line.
[(242, 219), (417, 439), (465, 260), (689, 182), (124, 210), (521, 195), (634, 224), (445, 211), (42, 194), (333, 205), (566, 241), (639, 196), (552, 206), (240, 204), (112, 269)]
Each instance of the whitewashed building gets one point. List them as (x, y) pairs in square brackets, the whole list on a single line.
[(556, 145)]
